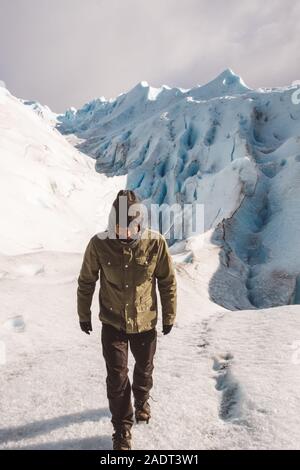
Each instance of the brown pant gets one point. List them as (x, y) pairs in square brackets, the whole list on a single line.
[(115, 352)]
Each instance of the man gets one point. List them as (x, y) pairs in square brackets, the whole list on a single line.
[(131, 259)]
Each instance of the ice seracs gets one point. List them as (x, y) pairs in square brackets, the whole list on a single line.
[(224, 145)]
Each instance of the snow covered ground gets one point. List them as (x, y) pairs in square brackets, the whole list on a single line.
[(223, 380)]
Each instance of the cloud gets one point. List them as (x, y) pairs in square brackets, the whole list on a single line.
[(65, 52)]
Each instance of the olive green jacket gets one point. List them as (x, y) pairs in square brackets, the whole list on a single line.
[(128, 276)]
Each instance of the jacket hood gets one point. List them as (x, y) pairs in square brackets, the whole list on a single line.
[(142, 219)]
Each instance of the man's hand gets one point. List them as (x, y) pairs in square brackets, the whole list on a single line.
[(166, 329), (86, 326)]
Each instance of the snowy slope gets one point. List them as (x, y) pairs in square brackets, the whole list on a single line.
[(50, 196), (222, 380), (233, 149), (43, 111)]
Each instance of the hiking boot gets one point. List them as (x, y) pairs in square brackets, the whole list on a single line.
[(142, 411), (121, 439)]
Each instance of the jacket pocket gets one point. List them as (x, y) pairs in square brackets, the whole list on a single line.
[(111, 269), (144, 268), (146, 262), (144, 302), (146, 318)]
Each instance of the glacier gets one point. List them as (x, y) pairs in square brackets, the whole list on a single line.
[(224, 145)]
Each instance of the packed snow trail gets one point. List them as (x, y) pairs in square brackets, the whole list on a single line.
[(222, 379)]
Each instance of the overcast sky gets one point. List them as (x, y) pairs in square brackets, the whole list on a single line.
[(65, 52)]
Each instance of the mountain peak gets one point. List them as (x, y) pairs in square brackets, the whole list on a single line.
[(226, 83), (229, 78)]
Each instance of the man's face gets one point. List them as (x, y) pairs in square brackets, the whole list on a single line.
[(126, 232)]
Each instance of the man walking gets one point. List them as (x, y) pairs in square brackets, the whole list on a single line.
[(130, 259)]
